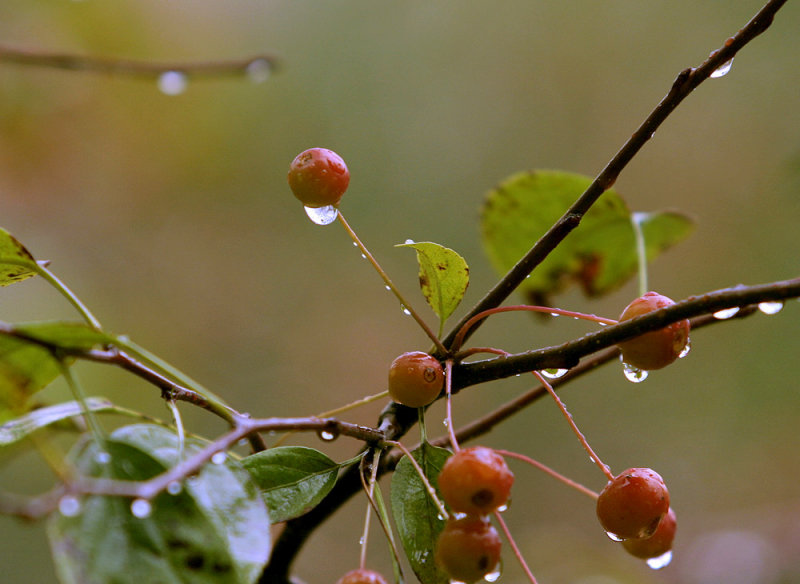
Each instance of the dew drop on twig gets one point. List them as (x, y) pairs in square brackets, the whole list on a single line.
[(726, 313), (174, 488), (322, 215), (686, 349), (554, 373), (258, 70), (327, 435), (770, 307), (172, 82), (722, 70), (141, 508), (219, 457), (69, 505)]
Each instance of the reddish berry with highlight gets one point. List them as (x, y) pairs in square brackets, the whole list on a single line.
[(632, 504), (655, 349), (415, 379), (362, 576), (475, 481), (318, 177), (657, 544), (468, 549)]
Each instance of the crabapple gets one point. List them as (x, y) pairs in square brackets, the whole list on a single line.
[(475, 481), (632, 505), (468, 548), (655, 349), (318, 177), (415, 379), (657, 544)]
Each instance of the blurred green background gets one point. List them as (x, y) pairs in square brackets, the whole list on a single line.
[(171, 218)]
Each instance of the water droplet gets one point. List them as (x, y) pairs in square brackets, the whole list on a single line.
[(409, 241), (440, 517), (726, 313), (174, 487), (363, 256), (686, 349), (504, 507), (327, 435), (322, 215), (389, 288), (614, 536), (661, 561), (69, 505), (445, 422), (722, 70), (459, 515), (554, 373), (554, 314), (102, 457), (361, 540), (770, 307), (172, 82), (495, 574), (141, 508), (634, 374), (219, 457), (406, 311), (258, 70)]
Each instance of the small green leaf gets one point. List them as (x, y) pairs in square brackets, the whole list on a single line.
[(292, 479), (16, 262), (443, 276), (416, 516), (17, 429), (599, 255), (214, 531)]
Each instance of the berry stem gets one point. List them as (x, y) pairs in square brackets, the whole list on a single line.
[(547, 470), (498, 516), (448, 393), (596, 459), (385, 277), (641, 250), (370, 489), (80, 396), (179, 429), (460, 336)]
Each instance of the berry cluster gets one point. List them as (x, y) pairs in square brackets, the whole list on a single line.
[(474, 482), (634, 508)]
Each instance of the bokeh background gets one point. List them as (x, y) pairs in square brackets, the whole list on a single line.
[(170, 217)]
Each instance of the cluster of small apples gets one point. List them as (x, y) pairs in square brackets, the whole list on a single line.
[(634, 506)]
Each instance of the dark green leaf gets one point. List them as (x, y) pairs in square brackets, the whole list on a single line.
[(599, 255), (16, 262), (417, 517), (292, 479), (18, 428), (443, 276), (215, 530)]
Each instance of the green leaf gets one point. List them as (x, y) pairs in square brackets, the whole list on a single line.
[(599, 255), (215, 530), (17, 429), (443, 276), (292, 479), (416, 516), (16, 262)]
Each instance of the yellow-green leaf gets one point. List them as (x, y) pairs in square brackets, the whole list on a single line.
[(443, 276), (16, 262)]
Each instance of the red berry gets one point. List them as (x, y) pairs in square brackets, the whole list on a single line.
[(415, 379), (632, 505), (361, 576), (655, 349), (468, 549), (475, 481), (657, 544), (318, 177)]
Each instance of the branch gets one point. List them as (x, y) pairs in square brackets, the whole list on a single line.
[(258, 66), (684, 84)]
